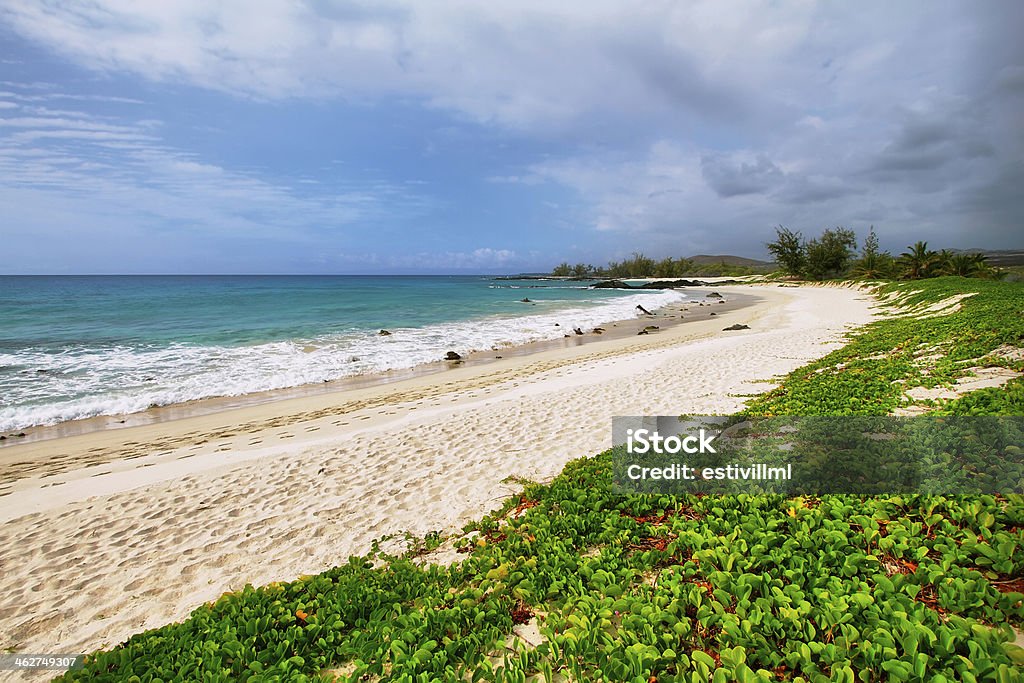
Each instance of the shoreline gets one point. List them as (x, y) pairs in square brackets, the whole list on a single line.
[(209, 419), (109, 533), (665, 317)]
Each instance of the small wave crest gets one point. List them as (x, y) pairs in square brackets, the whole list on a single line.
[(40, 388)]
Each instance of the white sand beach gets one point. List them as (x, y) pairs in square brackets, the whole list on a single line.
[(109, 533)]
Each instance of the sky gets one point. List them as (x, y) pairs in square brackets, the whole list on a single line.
[(319, 136)]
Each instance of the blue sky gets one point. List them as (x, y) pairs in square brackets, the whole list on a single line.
[(384, 137)]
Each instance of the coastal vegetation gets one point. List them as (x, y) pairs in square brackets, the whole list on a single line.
[(638, 266), (983, 326), (833, 255), (569, 581)]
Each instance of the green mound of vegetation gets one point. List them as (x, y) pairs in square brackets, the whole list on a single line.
[(833, 255), (656, 588), (919, 348)]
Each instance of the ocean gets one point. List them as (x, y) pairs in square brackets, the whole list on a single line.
[(74, 347)]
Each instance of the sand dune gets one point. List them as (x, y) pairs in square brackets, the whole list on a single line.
[(110, 533)]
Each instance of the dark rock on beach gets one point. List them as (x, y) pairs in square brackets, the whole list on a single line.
[(577, 331), (713, 295), (661, 284), (525, 301), (643, 310), (735, 327), (384, 333), (611, 284), (451, 355), (671, 284)]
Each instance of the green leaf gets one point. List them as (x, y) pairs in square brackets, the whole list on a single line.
[(897, 670), (703, 657)]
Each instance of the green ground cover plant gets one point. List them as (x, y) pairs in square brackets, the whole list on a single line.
[(659, 588), (814, 455), (871, 374)]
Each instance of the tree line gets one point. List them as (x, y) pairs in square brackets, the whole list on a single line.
[(833, 254), (638, 265)]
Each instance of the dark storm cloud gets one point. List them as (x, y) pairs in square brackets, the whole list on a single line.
[(674, 78), (730, 178), (680, 125), (929, 143), (994, 209), (805, 190)]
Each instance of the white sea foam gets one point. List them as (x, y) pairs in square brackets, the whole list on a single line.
[(43, 388)]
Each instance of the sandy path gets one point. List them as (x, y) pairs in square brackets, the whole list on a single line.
[(178, 513)]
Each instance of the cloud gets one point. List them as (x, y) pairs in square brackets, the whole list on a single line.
[(480, 260), (489, 256), (992, 208), (730, 177), (928, 141), (523, 65), (815, 188), (677, 126), (74, 174)]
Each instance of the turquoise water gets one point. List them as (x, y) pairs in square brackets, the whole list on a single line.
[(78, 346)]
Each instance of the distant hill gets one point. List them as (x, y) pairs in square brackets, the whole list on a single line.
[(705, 259), (997, 257)]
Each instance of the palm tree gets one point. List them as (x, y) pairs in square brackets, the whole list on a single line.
[(964, 265), (969, 265), (983, 269), (873, 266), (918, 261)]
